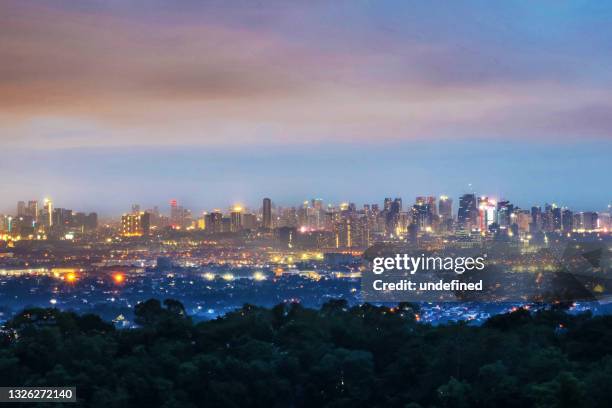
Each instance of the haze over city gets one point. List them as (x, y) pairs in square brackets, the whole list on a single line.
[(104, 104)]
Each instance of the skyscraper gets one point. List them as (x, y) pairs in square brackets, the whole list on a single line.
[(445, 208), (214, 222), (135, 225), (48, 212), (21, 208), (267, 213), (236, 219), (32, 209), (467, 215)]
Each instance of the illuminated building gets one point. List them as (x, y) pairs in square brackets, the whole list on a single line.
[(32, 209), (344, 234), (174, 213), (467, 215), (445, 208), (504, 214), (487, 213), (48, 212), (267, 213), (556, 218), (214, 222), (392, 215), (421, 214), (202, 222), (236, 219), (62, 217), (135, 225), (567, 220), (589, 220), (179, 217), (523, 220)]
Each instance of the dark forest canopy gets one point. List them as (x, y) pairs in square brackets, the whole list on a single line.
[(290, 356)]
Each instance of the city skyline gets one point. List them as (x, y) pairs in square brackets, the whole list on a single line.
[(22, 206)]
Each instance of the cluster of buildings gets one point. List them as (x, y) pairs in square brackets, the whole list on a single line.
[(347, 226), (34, 220), (316, 224)]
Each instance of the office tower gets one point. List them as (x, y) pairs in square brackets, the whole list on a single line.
[(135, 208), (48, 212), (467, 215), (589, 220), (21, 208), (249, 221), (62, 217), (174, 213), (556, 218), (317, 204), (421, 215), (523, 219), (430, 201), (135, 225), (567, 220), (85, 222), (505, 213), (387, 204), (487, 213), (236, 219), (32, 210), (344, 233), (445, 208), (392, 212), (547, 218), (4, 223), (214, 222), (226, 224), (536, 220), (201, 222), (267, 213)]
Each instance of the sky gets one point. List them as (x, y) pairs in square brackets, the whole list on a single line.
[(108, 103)]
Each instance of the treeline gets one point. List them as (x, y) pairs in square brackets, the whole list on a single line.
[(290, 356)]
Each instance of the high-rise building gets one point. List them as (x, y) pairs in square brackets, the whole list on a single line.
[(467, 215), (214, 222), (589, 220), (32, 210), (249, 221), (236, 219), (505, 212), (556, 218), (48, 212), (21, 208), (62, 217), (445, 208), (267, 213), (135, 225), (567, 220), (487, 213)]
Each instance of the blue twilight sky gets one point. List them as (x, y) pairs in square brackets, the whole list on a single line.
[(108, 103)]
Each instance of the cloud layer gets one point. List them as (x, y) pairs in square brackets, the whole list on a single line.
[(203, 73)]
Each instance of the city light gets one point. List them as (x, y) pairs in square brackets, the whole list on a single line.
[(71, 277), (118, 277)]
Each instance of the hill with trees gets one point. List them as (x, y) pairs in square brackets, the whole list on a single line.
[(291, 356)]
